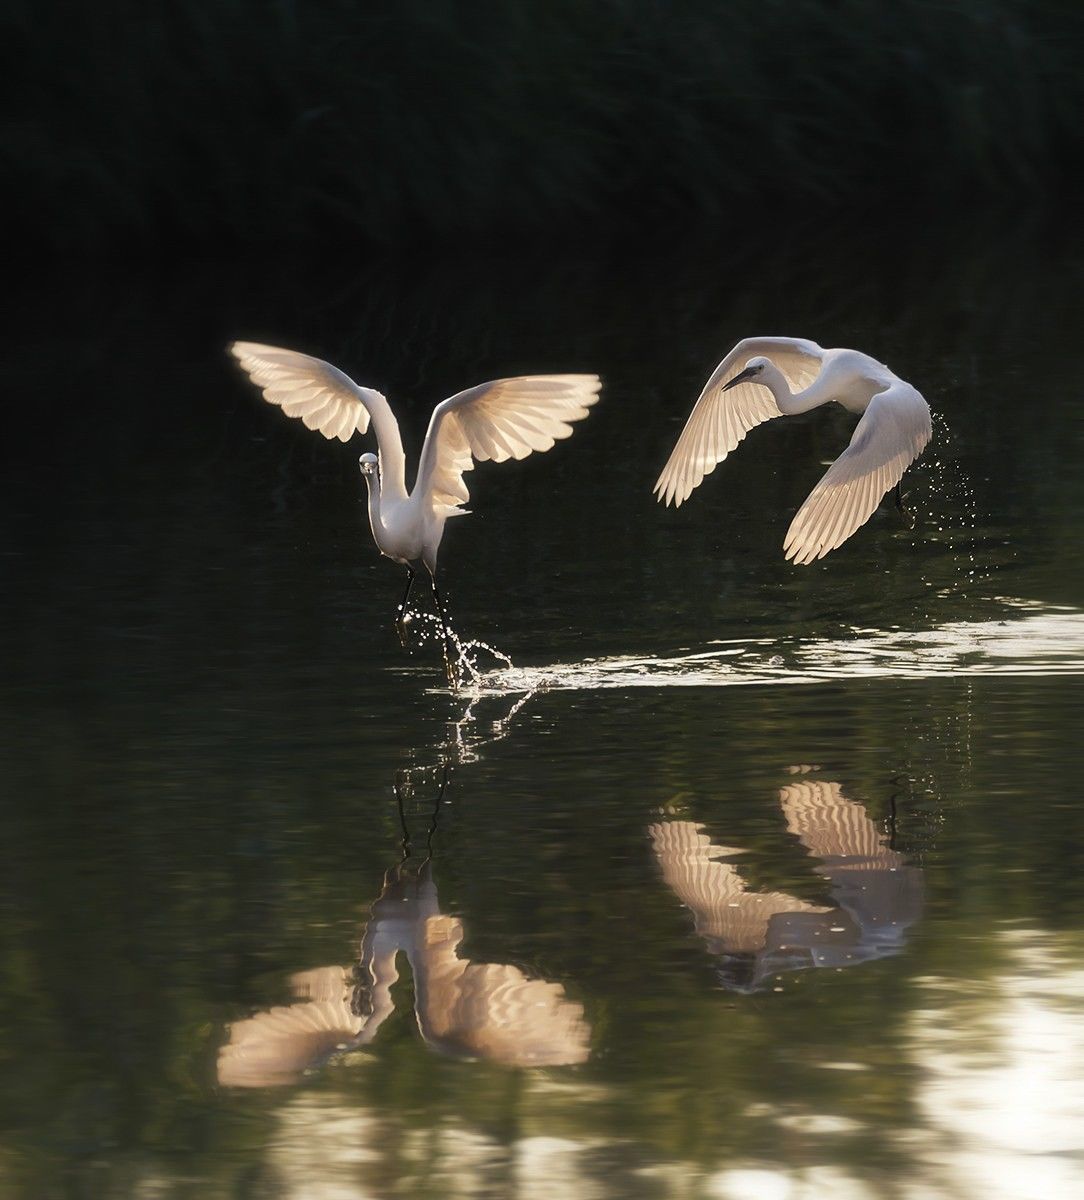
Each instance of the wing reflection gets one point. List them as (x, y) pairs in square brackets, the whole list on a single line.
[(464, 1009), (758, 935), (279, 1045), (729, 917)]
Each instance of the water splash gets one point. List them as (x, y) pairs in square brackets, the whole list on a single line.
[(469, 734), (1024, 639), (469, 654), (953, 515)]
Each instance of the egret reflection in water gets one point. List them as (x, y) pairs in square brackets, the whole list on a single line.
[(876, 896), (464, 1009)]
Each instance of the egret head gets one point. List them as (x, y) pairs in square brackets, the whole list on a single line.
[(753, 369), (370, 465)]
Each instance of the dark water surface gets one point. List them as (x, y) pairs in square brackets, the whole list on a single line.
[(777, 872)]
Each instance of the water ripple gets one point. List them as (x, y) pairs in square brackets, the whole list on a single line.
[(1026, 639)]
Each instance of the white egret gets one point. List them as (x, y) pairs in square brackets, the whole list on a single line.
[(506, 418), (767, 377)]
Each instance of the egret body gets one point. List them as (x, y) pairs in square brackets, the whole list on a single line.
[(770, 377), (506, 418)]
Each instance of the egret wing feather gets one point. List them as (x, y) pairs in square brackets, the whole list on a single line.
[(506, 418), (324, 397), (892, 433), (720, 419)]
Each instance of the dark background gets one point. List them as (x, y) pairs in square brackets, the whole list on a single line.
[(220, 126)]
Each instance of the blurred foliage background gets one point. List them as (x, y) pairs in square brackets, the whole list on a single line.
[(226, 124)]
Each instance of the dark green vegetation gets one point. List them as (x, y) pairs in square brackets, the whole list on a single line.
[(224, 124)]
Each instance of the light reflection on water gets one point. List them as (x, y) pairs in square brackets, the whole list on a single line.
[(999, 1109), (1002, 1070), (1024, 640)]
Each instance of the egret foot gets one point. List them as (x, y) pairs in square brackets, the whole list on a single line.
[(402, 613), (450, 671), (908, 516)]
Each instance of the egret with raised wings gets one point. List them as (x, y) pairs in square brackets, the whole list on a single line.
[(506, 418), (769, 377)]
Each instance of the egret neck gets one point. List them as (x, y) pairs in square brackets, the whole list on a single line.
[(376, 522), (820, 391)]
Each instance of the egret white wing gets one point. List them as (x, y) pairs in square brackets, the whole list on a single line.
[(321, 395), (720, 420), (507, 418), (892, 433)]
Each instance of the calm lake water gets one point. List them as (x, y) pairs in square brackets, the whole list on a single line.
[(748, 881)]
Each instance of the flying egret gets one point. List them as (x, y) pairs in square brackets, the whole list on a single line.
[(506, 418), (767, 377)]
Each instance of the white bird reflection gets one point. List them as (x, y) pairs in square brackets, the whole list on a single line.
[(280, 1044), (758, 935), (464, 1009)]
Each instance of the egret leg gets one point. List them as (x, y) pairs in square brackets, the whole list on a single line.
[(908, 516), (403, 790), (403, 786), (449, 662), (401, 612), (436, 813)]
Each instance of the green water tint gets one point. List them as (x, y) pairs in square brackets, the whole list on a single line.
[(206, 710)]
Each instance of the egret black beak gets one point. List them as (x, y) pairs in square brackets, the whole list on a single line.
[(741, 377)]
